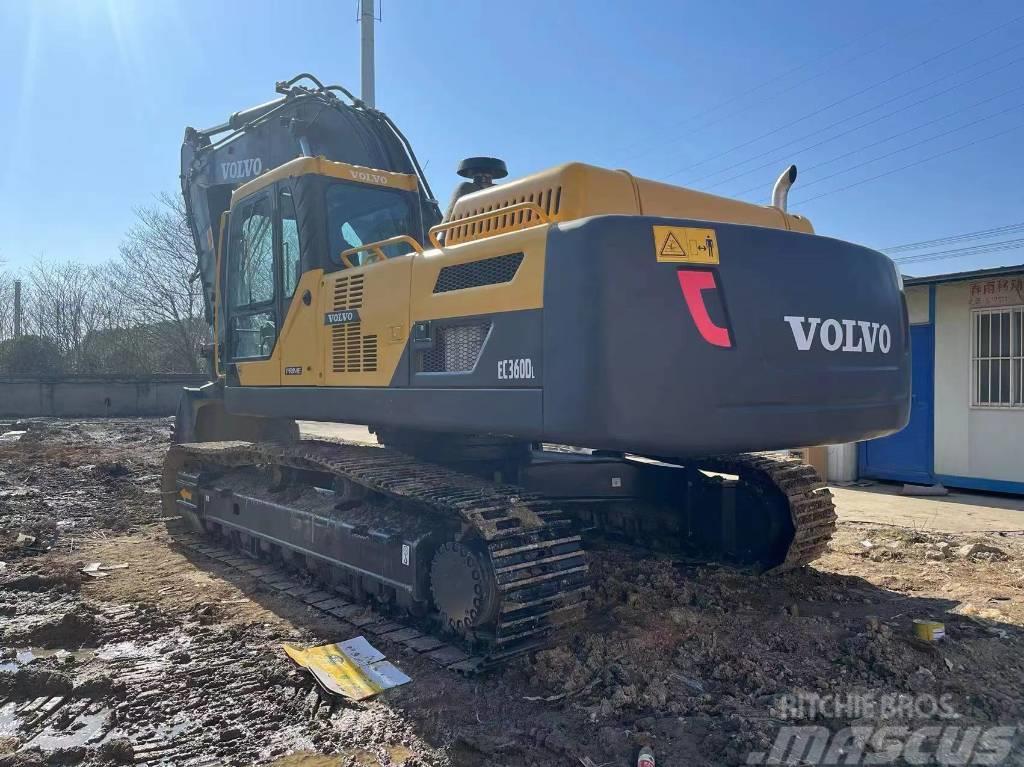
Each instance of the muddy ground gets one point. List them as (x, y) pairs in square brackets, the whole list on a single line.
[(177, 659)]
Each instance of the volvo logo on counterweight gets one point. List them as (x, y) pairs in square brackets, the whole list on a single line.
[(341, 317), (839, 335)]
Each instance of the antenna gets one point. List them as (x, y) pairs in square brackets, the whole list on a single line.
[(366, 19)]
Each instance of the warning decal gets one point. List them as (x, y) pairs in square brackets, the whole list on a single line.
[(683, 244)]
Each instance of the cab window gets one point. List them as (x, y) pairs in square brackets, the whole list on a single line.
[(252, 257), (290, 261), (358, 214)]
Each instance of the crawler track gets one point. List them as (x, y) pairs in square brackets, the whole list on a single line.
[(538, 565), (810, 503)]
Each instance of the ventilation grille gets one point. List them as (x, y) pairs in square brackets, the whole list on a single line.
[(549, 200), (456, 348), (351, 351), (486, 271)]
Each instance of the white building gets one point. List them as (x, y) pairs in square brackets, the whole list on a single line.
[(967, 416)]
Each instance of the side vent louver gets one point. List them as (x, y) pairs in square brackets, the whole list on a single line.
[(351, 351), (474, 274)]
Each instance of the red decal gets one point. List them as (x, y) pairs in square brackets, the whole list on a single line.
[(693, 283)]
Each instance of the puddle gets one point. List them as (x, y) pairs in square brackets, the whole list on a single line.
[(129, 650), (26, 655)]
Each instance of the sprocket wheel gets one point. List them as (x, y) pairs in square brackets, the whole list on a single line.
[(464, 588)]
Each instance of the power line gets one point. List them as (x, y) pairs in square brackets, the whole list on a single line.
[(916, 144), (897, 135), (980, 234), (793, 86), (974, 250), (885, 116), (726, 116), (818, 111), (753, 89), (912, 164)]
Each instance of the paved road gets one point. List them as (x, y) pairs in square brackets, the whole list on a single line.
[(954, 513)]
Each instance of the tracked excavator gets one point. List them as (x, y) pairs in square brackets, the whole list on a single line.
[(573, 355)]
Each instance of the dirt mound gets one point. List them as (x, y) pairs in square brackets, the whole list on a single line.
[(30, 682), (65, 579), (118, 751), (78, 628)]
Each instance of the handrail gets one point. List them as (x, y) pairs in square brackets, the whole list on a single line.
[(216, 296), (376, 247), (532, 207)]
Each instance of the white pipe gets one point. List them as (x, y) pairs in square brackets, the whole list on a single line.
[(780, 192), (366, 19)]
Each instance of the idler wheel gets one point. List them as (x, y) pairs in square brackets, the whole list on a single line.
[(464, 588)]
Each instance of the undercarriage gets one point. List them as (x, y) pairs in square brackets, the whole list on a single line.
[(486, 550)]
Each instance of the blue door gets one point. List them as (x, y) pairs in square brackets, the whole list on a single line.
[(907, 455)]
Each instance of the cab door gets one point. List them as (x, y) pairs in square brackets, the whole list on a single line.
[(251, 292)]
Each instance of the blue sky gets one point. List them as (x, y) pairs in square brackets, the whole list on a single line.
[(98, 93)]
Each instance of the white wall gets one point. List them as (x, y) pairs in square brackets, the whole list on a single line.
[(983, 443), (917, 304)]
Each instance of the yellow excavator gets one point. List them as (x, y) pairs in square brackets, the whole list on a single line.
[(573, 354)]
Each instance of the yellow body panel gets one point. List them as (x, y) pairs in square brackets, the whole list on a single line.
[(577, 190), (367, 352), (525, 291), (262, 372)]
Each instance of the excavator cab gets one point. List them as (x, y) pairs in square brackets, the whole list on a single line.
[(309, 218)]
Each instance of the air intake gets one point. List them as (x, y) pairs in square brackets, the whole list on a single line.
[(457, 348), (475, 274)]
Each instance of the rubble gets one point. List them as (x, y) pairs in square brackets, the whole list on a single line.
[(980, 551)]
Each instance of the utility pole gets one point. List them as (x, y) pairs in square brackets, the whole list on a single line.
[(17, 308), (366, 19)]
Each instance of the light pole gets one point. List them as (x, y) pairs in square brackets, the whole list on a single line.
[(366, 19)]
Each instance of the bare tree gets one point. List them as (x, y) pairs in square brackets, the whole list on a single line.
[(154, 278), (62, 305)]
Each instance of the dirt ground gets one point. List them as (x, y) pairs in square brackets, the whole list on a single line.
[(177, 660)]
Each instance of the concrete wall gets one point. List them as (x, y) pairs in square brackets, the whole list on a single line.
[(976, 442), (83, 396)]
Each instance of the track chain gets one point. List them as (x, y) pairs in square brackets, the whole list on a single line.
[(810, 501), (539, 564)]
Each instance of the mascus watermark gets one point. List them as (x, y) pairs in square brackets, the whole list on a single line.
[(895, 738), (940, 744)]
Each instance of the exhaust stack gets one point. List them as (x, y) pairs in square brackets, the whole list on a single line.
[(780, 192)]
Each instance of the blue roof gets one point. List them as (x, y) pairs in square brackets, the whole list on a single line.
[(976, 274)]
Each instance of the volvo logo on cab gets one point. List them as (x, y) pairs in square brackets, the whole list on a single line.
[(839, 335), (370, 178)]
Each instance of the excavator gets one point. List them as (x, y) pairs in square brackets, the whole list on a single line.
[(576, 355)]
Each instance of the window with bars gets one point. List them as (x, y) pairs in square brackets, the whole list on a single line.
[(997, 360)]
